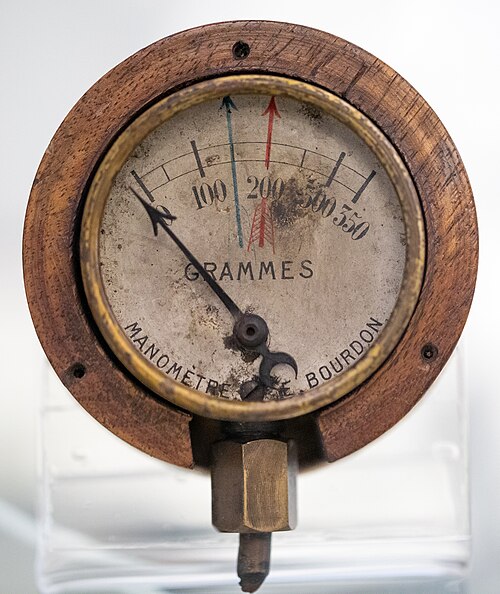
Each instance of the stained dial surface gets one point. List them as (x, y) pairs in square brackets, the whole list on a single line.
[(287, 210)]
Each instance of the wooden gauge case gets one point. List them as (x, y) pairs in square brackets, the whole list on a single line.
[(65, 326)]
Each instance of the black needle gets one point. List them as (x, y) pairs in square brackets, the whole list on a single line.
[(250, 330), (159, 218)]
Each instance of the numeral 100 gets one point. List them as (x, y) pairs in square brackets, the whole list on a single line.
[(206, 193)]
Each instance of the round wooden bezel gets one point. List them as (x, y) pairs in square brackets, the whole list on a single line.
[(51, 260)]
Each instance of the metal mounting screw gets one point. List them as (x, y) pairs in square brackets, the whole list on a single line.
[(78, 370), (429, 352), (241, 50)]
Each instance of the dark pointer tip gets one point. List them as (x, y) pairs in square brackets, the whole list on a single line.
[(154, 214), (228, 103)]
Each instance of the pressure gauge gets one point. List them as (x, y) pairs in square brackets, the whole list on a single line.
[(253, 240), (277, 236)]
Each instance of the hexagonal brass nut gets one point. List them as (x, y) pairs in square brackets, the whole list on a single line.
[(253, 486)]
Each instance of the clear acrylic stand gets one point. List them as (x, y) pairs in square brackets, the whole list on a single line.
[(391, 518)]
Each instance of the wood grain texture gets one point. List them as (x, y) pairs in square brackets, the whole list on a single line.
[(55, 297)]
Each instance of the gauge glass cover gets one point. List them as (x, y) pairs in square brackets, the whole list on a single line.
[(292, 210)]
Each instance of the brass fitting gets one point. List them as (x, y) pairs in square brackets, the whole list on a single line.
[(253, 486)]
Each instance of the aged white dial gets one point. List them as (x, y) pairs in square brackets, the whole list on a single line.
[(290, 213)]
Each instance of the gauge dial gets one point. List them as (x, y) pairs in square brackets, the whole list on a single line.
[(252, 244)]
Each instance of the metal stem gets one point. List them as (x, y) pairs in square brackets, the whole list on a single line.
[(254, 560)]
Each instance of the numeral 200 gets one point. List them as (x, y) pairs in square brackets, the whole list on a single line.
[(265, 188)]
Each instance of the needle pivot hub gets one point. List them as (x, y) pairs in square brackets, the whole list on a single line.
[(251, 330)]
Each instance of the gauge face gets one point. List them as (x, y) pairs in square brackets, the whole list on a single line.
[(252, 208)]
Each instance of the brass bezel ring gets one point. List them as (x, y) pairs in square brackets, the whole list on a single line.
[(145, 371)]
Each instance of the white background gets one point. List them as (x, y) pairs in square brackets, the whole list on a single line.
[(52, 51)]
